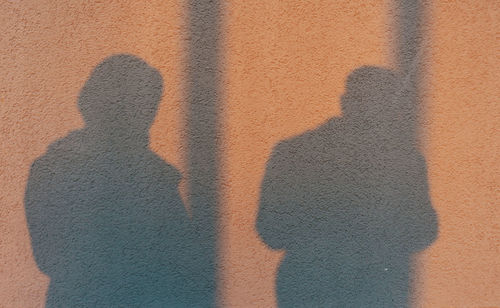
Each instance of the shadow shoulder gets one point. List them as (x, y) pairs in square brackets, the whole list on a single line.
[(308, 143), (163, 170), (58, 151)]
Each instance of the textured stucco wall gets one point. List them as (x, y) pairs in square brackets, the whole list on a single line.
[(283, 68)]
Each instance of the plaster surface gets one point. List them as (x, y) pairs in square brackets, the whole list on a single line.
[(281, 72)]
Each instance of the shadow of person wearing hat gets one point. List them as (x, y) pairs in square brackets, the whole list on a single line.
[(349, 202)]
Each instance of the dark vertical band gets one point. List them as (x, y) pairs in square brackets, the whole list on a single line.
[(204, 103), (409, 54)]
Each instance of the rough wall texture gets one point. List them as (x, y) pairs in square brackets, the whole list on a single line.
[(297, 154)]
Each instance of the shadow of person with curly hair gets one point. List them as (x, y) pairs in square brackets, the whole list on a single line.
[(106, 220)]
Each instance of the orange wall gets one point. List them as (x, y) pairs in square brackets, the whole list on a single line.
[(285, 64), (462, 268)]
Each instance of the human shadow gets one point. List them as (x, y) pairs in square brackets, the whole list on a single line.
[(105, 216), (348, 202)]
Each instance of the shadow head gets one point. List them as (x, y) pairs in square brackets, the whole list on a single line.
[(122, 94), (371, 93)]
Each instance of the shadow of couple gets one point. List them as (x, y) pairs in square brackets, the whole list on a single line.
[(348, 202)]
